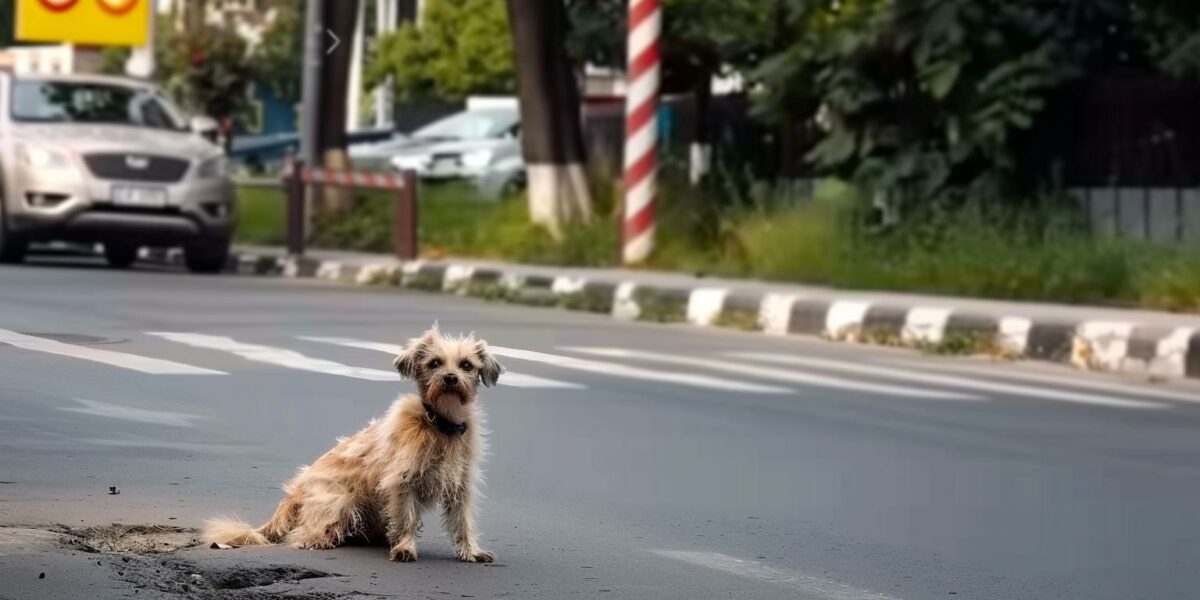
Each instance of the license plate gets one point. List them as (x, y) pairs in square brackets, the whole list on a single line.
[(139, 197), (444, 164)]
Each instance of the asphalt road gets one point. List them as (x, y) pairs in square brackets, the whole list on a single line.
[(627, 460)]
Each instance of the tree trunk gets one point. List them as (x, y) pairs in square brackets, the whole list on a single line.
[(552, 131), (341, 17)]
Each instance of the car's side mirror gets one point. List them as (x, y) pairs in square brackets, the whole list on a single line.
[(205, 126)]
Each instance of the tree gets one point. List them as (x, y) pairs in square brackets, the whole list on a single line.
[(552, 136), (462, 47), (279, 58), (340, 18), (928, 100), (207, 70)]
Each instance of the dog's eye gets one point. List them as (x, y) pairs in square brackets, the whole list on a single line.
[(466, 365), (435, 363)]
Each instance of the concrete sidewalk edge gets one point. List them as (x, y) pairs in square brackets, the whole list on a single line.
[(1108, 346)]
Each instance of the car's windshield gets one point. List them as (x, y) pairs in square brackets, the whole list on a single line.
[(470, 125), (89, 102)]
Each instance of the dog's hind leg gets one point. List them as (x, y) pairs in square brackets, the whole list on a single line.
[(402, 512), (281, 522), (324, 520)]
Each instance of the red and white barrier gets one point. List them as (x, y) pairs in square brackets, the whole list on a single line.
[(361, 179), (641, 129)]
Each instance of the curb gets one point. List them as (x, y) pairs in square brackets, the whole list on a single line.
[(1110, 346)]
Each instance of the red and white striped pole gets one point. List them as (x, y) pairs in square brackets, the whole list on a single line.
[(641, 129)]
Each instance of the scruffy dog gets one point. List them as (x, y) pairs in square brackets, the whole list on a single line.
[(374, 484)]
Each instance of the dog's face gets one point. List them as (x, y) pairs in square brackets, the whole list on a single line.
[(446, 368)]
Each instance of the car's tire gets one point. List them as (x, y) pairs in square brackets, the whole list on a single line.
[(13, 246), (207, 257), (120, 256)]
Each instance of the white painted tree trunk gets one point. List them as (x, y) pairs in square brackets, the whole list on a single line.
[(552, 131), (558, 194)]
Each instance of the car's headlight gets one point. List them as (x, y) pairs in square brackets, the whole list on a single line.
[(39, 157), (217, 166), (477, 159)]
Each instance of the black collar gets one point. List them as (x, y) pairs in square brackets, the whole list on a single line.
[(443, 424)]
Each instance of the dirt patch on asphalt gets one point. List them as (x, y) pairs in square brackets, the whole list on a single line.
[(133, 539), (241, 582), (144, 556)]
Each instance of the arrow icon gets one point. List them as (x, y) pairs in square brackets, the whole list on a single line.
[(336, 42)]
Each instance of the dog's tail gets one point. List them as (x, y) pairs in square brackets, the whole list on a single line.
[(234, 532)]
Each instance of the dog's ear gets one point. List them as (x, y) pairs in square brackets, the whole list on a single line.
[(408, 362), (491, 369)]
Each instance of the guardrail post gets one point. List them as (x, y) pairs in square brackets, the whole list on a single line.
[(405, 234), (294, 191)]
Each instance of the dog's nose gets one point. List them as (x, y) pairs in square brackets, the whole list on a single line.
[(450, 379)]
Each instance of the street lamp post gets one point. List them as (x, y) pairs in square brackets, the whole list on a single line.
[(310, 109)]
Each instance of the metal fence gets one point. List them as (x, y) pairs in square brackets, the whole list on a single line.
[(1130, 148)]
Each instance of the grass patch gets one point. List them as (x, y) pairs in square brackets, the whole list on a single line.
[(1031, 251), (964, 343), (260, 216)]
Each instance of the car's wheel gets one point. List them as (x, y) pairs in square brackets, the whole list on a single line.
[(513, 186), (12, 245), (206, 257), (120, 256)]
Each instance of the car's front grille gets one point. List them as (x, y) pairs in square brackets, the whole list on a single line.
[(136, 167)]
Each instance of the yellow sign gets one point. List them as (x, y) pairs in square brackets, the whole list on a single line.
[(86, 22)]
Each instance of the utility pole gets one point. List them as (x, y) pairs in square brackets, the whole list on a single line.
[(385, 23), (310, 110), (357, 54)]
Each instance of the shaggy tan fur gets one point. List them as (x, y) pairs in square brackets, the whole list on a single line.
[(374, 484)]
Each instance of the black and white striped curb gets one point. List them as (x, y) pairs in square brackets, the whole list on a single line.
[(1122, 346)]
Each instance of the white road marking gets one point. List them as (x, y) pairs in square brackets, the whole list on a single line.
[(1013, 334), (520, 380), (153, 366), (778, 374), (705, 304), (619, 370), (775, 313), (950, 380), (810, 586), (925, 324), (127, 413), (275, 356), (844, 319), (1005, 372)]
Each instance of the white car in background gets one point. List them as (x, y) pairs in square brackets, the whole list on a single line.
[(89, 159), (482, 146)]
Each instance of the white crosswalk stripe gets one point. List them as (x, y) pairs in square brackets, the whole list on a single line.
[(520, 380), (1106, 384), (275, 356), (952, 381), (144, 364), (620, 370), (778, 374)]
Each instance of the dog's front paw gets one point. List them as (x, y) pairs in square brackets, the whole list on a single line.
[(476, 556), (403, 554)]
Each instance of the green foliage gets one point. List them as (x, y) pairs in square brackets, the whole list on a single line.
[(701, 38), (1035, 251), (462, 47), (927, 99), (208, 70), (279, 59)]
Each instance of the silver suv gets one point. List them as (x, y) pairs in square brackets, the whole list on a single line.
[(109, 160)]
